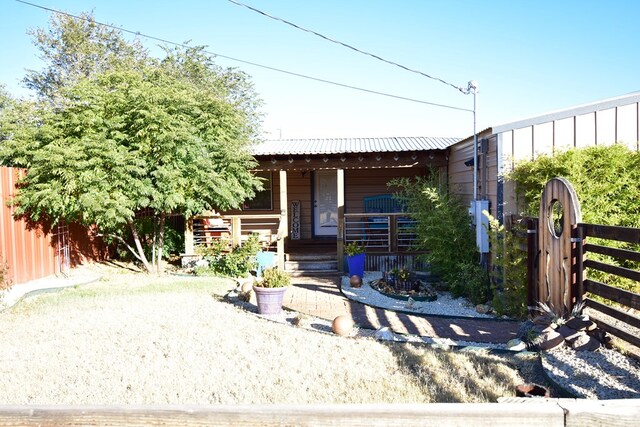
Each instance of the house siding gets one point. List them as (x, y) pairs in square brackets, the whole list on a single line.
[(601, 123)]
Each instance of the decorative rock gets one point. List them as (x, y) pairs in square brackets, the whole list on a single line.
[(579, 324), (568, 333), (549, 338), (585, 343), (342, 325), (202, 263), (384, 334), (516, 345), (532, 390), (246, 285), (355, 281), (483, 308), (301, 320)]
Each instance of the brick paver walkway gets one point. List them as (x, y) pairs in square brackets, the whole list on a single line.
[(321, 297)]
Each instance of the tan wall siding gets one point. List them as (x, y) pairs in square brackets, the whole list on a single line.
[(605, 127), (461, 175)]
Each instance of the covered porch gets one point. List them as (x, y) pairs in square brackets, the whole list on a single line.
[(316, 201)]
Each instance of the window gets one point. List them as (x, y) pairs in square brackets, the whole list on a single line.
[(263, 199)]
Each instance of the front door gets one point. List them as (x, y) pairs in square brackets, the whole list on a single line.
[(325, 203)]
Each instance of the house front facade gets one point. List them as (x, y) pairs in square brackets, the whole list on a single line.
[(321, 194)]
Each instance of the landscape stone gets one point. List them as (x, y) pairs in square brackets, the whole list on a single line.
[(578, 323), (585, 343), (516, 345), (549, 338), (568, 333), (483, 308)]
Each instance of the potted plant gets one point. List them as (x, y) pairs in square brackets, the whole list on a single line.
[(270, 289), (355, 259)]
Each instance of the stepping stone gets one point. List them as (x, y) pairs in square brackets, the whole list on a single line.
[(585, 343)]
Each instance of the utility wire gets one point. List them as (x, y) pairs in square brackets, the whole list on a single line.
[(348, 46), (291, 73)]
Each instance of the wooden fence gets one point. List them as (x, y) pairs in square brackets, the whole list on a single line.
[(587, 288), (626, 299), (514, 411)]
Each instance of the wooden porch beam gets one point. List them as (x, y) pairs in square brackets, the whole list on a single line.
[(283, 226), (189, 247), (340, 230)]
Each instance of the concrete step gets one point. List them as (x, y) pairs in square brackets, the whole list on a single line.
[(310, 257), (330, 265)]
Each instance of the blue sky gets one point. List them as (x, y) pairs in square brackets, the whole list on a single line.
[(527, 57)]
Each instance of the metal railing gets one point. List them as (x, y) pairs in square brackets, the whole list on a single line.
[(381, 232)]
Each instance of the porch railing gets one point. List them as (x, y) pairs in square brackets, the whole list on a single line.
[(380, 232), (235, 229)]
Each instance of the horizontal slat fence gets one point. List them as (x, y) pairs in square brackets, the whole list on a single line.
[(625, 298)]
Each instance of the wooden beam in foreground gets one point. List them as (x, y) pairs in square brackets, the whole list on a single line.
[(510, 412)]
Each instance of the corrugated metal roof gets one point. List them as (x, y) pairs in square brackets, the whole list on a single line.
[(350, 145)]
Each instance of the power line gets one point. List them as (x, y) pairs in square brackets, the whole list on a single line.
[(291, 73), (348, 46)]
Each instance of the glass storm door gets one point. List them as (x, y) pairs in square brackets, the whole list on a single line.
[(325, 203)]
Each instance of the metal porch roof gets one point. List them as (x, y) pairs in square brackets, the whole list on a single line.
[(350, 145)]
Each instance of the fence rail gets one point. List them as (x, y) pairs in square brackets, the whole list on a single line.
[(612, 315)]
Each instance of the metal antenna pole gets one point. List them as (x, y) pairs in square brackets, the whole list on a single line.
[(473, 88)]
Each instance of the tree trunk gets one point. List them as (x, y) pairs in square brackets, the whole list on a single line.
[(160, 242), (136, 239)]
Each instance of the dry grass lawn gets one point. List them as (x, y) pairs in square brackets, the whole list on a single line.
[(131, 339)]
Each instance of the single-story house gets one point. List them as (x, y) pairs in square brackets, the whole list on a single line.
[(318, 190)]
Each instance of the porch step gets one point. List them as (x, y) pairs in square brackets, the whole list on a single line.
[(319, 257), (312, 265)]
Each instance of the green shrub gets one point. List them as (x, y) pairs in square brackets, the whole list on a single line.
[(236, 263), (508, 268), (444, 231), (606, 181), (274, 278)]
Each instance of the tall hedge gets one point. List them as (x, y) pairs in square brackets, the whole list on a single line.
[(607, 182)]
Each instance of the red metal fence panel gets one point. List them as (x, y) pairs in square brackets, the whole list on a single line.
[(28, 252), (31, 251)]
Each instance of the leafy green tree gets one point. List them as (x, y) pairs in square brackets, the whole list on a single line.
[(164, 136)]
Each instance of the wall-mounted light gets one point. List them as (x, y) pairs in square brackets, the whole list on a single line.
[(378, 157), (430, 156), (342, 159), (273, 160), (307, 159), (325, 159), (360, 158), (396, 157), (290, 160), (414, 156)]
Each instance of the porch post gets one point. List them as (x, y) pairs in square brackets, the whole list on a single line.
[(189, 248), (340, 230), (283, 227)]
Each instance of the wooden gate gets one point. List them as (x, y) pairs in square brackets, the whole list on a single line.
[(558, 220)]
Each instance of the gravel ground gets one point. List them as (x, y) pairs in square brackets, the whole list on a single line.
[(444, 305), (602, 374)]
